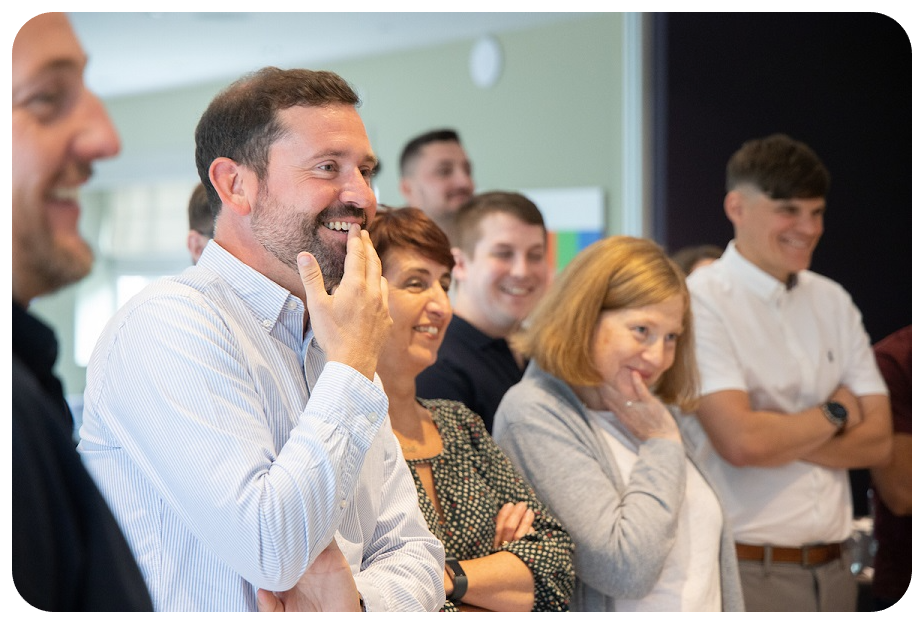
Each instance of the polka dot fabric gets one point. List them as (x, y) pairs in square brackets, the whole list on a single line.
[(473, 479)]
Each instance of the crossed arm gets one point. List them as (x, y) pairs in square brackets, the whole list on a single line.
[(747, 437)]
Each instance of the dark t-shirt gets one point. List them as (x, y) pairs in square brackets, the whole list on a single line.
[(892, 562), (68, 551), (472, 368)]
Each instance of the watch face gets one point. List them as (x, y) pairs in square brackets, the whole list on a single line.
[(836, 413)]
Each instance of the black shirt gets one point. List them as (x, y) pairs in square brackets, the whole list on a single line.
[(68, 551), (472, 368)]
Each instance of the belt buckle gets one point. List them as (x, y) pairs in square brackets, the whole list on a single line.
[(805, 556)]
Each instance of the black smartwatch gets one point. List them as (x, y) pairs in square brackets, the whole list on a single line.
[(458, 578), (836, 413)]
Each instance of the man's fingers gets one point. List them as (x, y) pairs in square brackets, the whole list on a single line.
[(267, 602), (373, 262), (312, 280), (355, 261), (383, 285), (362, 261)]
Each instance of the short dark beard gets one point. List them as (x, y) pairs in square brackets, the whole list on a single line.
[(300, 233), (50, 264)]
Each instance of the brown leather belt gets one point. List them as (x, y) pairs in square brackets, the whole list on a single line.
[(816, 554)]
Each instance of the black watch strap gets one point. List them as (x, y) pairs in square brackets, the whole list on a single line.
[(458, 578)]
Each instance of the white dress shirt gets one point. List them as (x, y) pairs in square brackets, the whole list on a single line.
[(789, 349), (223, 474)]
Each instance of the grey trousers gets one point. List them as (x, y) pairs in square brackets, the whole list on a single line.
[(791, 587)]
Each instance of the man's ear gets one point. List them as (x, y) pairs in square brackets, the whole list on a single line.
[(230, 180), (458, 271), (734, 206), (405, 187), (196, 242)]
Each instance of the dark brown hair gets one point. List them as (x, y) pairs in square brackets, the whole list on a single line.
[(200, 215), (687, 257), (779, 166), (241, 123), (410, 229), (472, 213), (413, 148)]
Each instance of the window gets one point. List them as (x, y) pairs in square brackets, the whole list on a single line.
[(139, 234)]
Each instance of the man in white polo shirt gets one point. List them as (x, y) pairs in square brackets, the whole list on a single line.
[(791, 395)]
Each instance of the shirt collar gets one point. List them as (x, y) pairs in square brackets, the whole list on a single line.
[(754, 278), (265, 298)]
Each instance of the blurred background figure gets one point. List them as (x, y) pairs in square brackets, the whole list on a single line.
[(436, 176), (201, 223), (892, 481), (611, 346), (691, 258), (501, 272), (504, 550), (68, 552)]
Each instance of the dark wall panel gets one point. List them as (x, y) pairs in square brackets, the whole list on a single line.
[(841, 82)]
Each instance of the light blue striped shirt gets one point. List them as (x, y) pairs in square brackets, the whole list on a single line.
[(223, 474)]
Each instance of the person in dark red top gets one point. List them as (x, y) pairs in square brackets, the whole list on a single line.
[(892, 481)]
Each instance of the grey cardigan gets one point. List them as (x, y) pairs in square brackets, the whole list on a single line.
[(545, 430)]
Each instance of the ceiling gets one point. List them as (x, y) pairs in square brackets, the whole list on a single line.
[(133, 53)]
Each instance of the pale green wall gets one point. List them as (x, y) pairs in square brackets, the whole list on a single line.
[(553, 120)]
